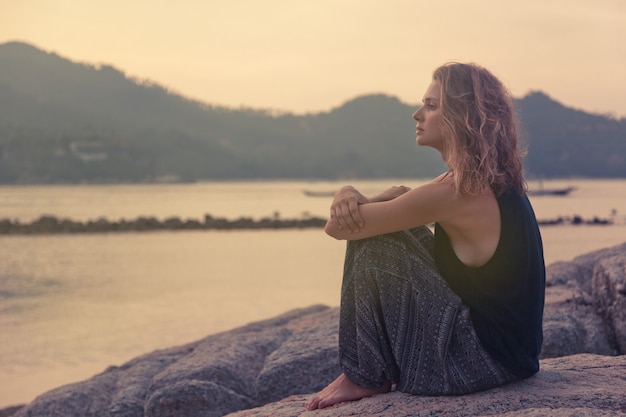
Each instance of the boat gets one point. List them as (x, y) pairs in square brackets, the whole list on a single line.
[(551, 191), (311, 193)]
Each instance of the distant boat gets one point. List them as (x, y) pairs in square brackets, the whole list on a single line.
[(551, 191), (311, 193)]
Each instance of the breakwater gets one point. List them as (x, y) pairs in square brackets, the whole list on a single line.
[(53, 225)]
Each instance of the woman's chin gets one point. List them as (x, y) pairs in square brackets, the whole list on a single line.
[(421, 142)]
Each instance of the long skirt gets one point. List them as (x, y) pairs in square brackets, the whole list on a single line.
[(401, 323)]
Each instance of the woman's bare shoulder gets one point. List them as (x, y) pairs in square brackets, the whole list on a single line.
[(440, 190), (443, 177)]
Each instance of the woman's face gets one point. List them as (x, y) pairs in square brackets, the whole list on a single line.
[(428, 118)]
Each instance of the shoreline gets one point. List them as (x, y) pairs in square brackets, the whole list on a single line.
[(52, 225)]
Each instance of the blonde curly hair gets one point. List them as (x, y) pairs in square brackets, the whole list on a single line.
[(480, 130)]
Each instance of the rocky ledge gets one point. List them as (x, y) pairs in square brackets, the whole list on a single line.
[(270, 368), (53, 225), (572, 386)]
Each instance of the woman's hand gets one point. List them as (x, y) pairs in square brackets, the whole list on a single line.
[(344, 209)]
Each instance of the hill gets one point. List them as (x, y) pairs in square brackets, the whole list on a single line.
[(564, 142), (67, 122)]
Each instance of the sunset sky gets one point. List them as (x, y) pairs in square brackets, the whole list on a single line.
[(309, 56)]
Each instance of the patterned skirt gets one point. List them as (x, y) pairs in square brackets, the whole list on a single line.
[(400, 321)]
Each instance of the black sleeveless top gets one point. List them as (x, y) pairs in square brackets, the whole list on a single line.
[(505, 295)]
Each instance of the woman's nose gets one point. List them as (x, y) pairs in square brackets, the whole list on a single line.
[(416, 114)]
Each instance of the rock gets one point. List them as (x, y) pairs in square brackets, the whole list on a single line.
[(586, 305), (50, 224), (609, 295), (579, 385), (9, 411), (294, 353), (283, 360)]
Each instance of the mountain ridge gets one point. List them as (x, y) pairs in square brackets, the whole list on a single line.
[(51, 106)]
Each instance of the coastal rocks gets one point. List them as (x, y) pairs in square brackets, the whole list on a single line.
[(54, 225), (295, 353), (276, 364), (582, 385), (609, 289), (586, 305)]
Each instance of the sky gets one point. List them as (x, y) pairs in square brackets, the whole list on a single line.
[(309, 56)]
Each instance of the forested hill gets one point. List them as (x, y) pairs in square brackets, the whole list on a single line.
[(67, 122)]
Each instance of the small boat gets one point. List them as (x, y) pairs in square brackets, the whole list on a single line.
[(311, 193), (551, 191)]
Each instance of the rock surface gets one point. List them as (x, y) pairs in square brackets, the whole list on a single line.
[(282, 360), (262, 362), (586, 305), (579, 385)]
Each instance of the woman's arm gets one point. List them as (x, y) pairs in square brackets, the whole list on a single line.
[(390, 194), (345, 206), (420, 206)]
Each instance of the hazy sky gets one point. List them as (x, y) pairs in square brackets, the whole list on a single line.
[(313, 55)]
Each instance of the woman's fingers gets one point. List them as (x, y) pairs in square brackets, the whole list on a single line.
[(355, 213), (347, 216), (345, 209)]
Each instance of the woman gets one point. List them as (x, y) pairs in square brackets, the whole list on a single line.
[(461, 310)]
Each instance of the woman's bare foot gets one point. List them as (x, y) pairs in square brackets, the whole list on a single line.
[(342, 389)]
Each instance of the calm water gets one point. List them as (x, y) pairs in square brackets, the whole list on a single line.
[(72, 305)]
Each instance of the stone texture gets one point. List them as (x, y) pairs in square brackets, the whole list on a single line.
[(579, 385), (609, 295), (262, 362), (282, 360), (586, 305)]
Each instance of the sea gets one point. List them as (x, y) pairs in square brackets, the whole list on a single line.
[(72, 305)]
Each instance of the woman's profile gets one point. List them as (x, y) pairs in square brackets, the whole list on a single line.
[(458, 310)]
